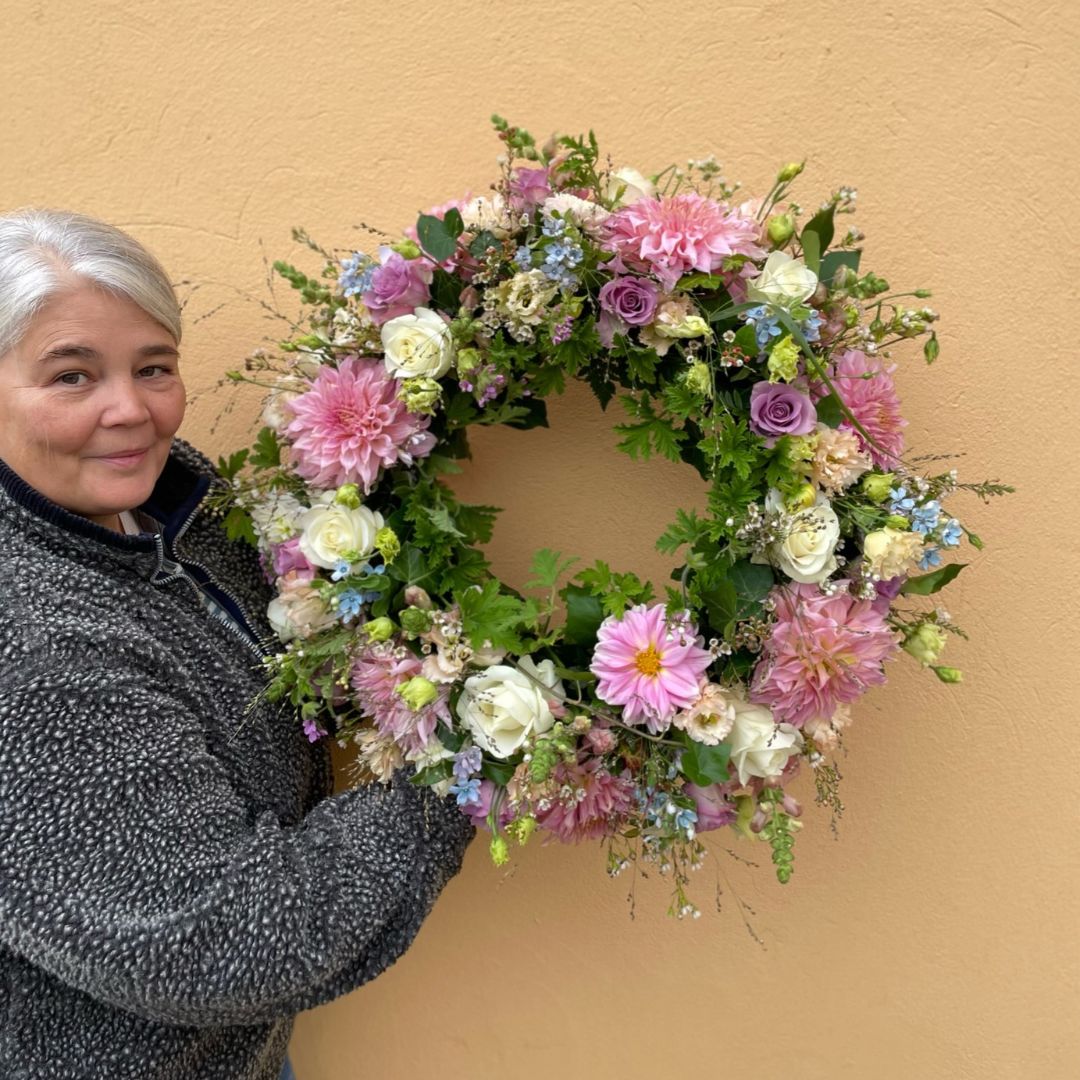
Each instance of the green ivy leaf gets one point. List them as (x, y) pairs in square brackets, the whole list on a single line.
[(436, 237), (584, 614), (830, 411), (932, 582), (483, 240), (704, 765)]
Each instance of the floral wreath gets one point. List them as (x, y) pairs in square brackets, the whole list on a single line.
[(748, 346)]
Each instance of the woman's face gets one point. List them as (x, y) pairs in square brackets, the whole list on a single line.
[(90, 399)]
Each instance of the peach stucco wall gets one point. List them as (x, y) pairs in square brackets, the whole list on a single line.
[(939, 939)]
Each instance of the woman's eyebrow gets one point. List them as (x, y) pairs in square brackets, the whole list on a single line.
[(84, 352)]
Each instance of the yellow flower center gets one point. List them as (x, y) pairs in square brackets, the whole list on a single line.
[(648, 661)]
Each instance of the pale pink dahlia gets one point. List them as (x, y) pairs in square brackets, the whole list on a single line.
[(350, 424), (673, 236), (866, 386), (591, 801), (380, 668), (823, 651), (648, 665)]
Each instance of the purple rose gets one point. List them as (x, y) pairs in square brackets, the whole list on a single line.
[(397, 286), (632, 299), (778, 409), (528, 187), (713, 809), (288, 556)]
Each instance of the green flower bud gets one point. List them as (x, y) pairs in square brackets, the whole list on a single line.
[(851, 316), (467, 359), (949, 674), (379, 629), (781, 228), (348, 495), (698, 378), (784, 360), (415, 620), (746, 808), (876, 486), (789, 172), (897, 521), (387, 544), (500, 851), (406, 248), (420, 395), (803, 499), (800, 448), (925, 642), (417, 692), (522, 829)]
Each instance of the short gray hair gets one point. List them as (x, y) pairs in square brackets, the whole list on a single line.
[(42, 250)]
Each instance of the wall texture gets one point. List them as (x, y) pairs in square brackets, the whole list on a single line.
[(939, 938)]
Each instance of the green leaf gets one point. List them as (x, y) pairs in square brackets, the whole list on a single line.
[(931, 583), (266, 453), (499, 772), (441, 770), (238, 526), (477, 522), (834, 260), (830, 410), (435, 237), (445, 291), (546, 569), (490, 615), (531, 413), (822, 224), (483, 240), (453, 223), (746, 339), (584, 614), (441, 519), (752, 581), (230, 466), (710, 282), (686, 529), (704, 765), (811, 245)]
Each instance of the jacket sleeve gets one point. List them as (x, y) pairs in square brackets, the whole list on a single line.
[(131, 870)]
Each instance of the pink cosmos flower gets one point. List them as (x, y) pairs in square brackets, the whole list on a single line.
[(350, 424), (649, 665), (378, 669), (823, 651), (866, 386), (673, 236), (592, 802)]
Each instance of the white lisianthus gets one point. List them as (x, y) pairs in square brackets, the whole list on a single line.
[(891, 552), (487, 212), (332, 533), (417, 345), (759, 745), (588, 215), (524, 296), (276, 516), (804, 549), (634, 185), (783, 281), (503, 706), (710, 718)]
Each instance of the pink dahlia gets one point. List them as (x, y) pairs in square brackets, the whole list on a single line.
[(866, 386), (590, 802), (380, 668), (350, 423), (823, 651), (649, 665), (673, 236)]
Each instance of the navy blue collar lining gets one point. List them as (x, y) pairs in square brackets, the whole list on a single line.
[(178, 491)]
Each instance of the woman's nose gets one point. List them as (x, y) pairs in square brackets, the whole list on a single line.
[(126, 404)]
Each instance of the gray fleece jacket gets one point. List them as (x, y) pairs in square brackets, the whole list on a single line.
[(176, 880)]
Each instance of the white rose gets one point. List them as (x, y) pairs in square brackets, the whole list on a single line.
[(783, 281), (487, 213), (808, 539), (417, 345), (634, 186), (759, 745), (332, 533), (503, 706)]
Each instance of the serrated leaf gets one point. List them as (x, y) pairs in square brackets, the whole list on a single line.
[(266, 453), (230, 466), (932, 582), (686, 529), (238, 526), (441, 519), (704, 765), (546, 569)]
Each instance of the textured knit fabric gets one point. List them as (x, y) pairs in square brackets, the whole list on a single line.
[(176, 880)]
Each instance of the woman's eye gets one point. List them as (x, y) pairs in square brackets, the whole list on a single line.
[(154, 370), (71, 378)]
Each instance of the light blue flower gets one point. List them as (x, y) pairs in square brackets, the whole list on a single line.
[(467, 762), (766, 326), (467, 792), (355, 274), (350, 602), (951, 534), (931, 557), (902, 503), (523, 258), (924, 519), (342, 570), (553, 226)]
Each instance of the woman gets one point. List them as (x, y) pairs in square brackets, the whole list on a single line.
[(176, 881)]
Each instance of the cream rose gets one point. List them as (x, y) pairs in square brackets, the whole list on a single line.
[(331, 533), (891, 552), (759, 745), (634, 186), (808, 538), (417, 345), (783, 281), (503, 706), (297, 611)]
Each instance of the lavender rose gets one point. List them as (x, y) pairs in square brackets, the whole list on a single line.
[(713, 809), (397, 287), (625, 302), (778, 409)]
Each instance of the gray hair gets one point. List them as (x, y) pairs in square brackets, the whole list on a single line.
[(41, 251)]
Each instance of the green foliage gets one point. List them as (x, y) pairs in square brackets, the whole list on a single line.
[(651, 433), (487, 614), (438, 236), (312, 291), (836, 259), (547, 567), (238, 526), (686, 529), (616, 592), (584, 614), (932, 582), (230, 466), (266, 454), (704, 765), (830, 410)]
